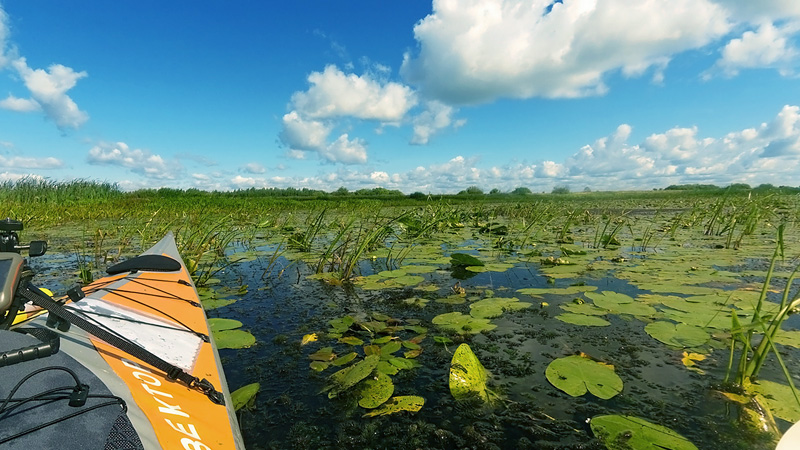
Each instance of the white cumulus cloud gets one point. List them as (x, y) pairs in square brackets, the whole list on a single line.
[(254, 168), (436, 117), (335, 94), (48, 90), (21, 162), (768, 46), (138, 161), (345, 150), (474, 51)]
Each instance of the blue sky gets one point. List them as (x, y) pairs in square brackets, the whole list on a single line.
[(409, 95)]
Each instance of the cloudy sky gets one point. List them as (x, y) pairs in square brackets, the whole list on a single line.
[(401, 94)]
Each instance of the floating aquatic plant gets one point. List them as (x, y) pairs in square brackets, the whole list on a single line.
[(468, 377), (245, 396), (578, 374), (629, 432), (226, 334)]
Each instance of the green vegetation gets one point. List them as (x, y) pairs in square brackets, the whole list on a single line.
[(343, 293)]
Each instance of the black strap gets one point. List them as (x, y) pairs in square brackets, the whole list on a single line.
[(33, 294)]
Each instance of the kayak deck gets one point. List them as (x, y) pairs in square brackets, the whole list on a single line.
[(156, 308)]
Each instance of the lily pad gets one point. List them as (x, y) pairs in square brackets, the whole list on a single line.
[(677, 335), (495, 306), (577, 374), (411, 403), (245, 396), (375, 391), (636, 434), (779, 399), (468, 377), (462, 324), (491, 267), (233, 339), (580, 319), (350, 376), (219, 324), (342, 360), (569, 290), (464, 260)]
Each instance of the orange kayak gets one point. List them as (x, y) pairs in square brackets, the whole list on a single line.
[(163, 386)]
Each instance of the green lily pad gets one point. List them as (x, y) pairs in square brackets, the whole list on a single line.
[(233, 339), (577, 374), (345, 359), (408, 280), (219, 324), (350, 376), (495, 306), (462, 324), (456, 299), (491, 267), (245, 396), (468, 377), (319, 366), (389, 348), (411, 403), (351, 340), (569, 290), (608, 299), (403, 363), (375, 391), (214, 303), (323, 354), (583, 308), (580, 319), (464, 260), (387, 368), (677, 335), (779, 399), (636, 434)]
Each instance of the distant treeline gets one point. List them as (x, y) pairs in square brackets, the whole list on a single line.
[(78, 191)]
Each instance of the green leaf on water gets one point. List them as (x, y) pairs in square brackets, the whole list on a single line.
[(462, 324), (569, 290), (323, 354), (219, 324), (403, 363), (214, 303), (468, 377), (677, 335), (233, 339), (389, 348), (350, 376), (455, 299), (628, 432), (388, 369), (411, 403), (375, 391), (319, 366), (779, 399), (577, 374), (463, 260), (491, 267), (342, 360), (583, 308), (495, 306), (245, 396), (580, 319), (351, 340)]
